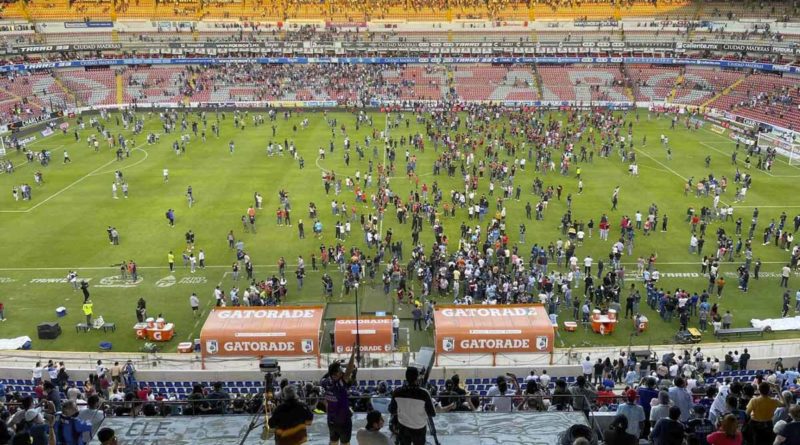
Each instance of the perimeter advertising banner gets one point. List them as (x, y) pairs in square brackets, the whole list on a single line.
[(375, 334), (262, 331), (490, 329)]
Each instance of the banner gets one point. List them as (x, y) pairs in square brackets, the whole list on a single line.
[(88, 24), (397, 60), (353, 49)]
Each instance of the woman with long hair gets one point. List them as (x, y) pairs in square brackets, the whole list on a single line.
[(728, 433), (616, 433)]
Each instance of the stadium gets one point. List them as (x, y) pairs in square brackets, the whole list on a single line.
[(567, 221)]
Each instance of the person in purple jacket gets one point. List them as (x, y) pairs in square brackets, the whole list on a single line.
[(336, 384)]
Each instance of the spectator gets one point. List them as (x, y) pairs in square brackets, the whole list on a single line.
[(633, 413), (616, 433), (761, 409), (647, 394), (371, 434), (669, 431), (782, 413), (52, 395), (106, 436), (197, 401), (219, 399), (68, 427), (562, 398), (501, 393), (583, 396), (660, 410), (92, 415), (533, 397), (290, 419), (728, 433), (698, 427), (336, 384), (681, 398), (790, 433), (412, 406), (36, 427)]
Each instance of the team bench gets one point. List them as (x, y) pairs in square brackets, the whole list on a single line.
[(724, 334)]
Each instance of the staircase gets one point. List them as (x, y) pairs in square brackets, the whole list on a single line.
[(678, 82), (25, 11), (71, 94), (115, 36), (725, 92), (538, 78), (120, 89)]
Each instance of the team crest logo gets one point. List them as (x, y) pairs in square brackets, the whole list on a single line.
[(212, 347), (307, 346), (541, 342), (448, 344)]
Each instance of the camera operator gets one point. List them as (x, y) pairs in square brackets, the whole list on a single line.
[(411, 406), (336, 385)]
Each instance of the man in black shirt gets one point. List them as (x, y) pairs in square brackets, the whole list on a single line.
[(411, 406), (291, 418), (743, 359)]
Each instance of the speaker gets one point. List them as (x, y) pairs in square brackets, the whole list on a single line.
[(49, 331)]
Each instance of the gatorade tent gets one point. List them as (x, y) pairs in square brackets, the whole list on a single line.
[(262, 332), (375, 334), (482, 329)]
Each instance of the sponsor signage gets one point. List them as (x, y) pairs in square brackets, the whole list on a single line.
[(483, 329), (260, 331), (372, 334)]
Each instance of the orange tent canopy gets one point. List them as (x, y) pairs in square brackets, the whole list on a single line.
[(375, 334), (490, 328), (262, 331)]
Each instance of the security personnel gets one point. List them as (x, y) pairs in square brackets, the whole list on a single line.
[(88, 309)]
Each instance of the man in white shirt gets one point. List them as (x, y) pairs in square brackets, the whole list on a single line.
[(501, 393), (587, 367), (544, 379), (194, 302)]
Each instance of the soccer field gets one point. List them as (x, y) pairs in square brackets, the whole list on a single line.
[(64, 226)]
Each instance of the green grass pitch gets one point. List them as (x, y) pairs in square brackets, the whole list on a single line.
[(64, 226)]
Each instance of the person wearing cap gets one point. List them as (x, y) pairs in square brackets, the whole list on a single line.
[(411, 406), (336, 384), (106, 436), (371, 434), (633, 414), (68, 428), (36, 427), (669, 431), (291, 418)]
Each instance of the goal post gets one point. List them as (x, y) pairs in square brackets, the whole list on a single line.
[(785, 145)]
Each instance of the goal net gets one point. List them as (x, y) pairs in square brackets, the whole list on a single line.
[(784, 145)]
